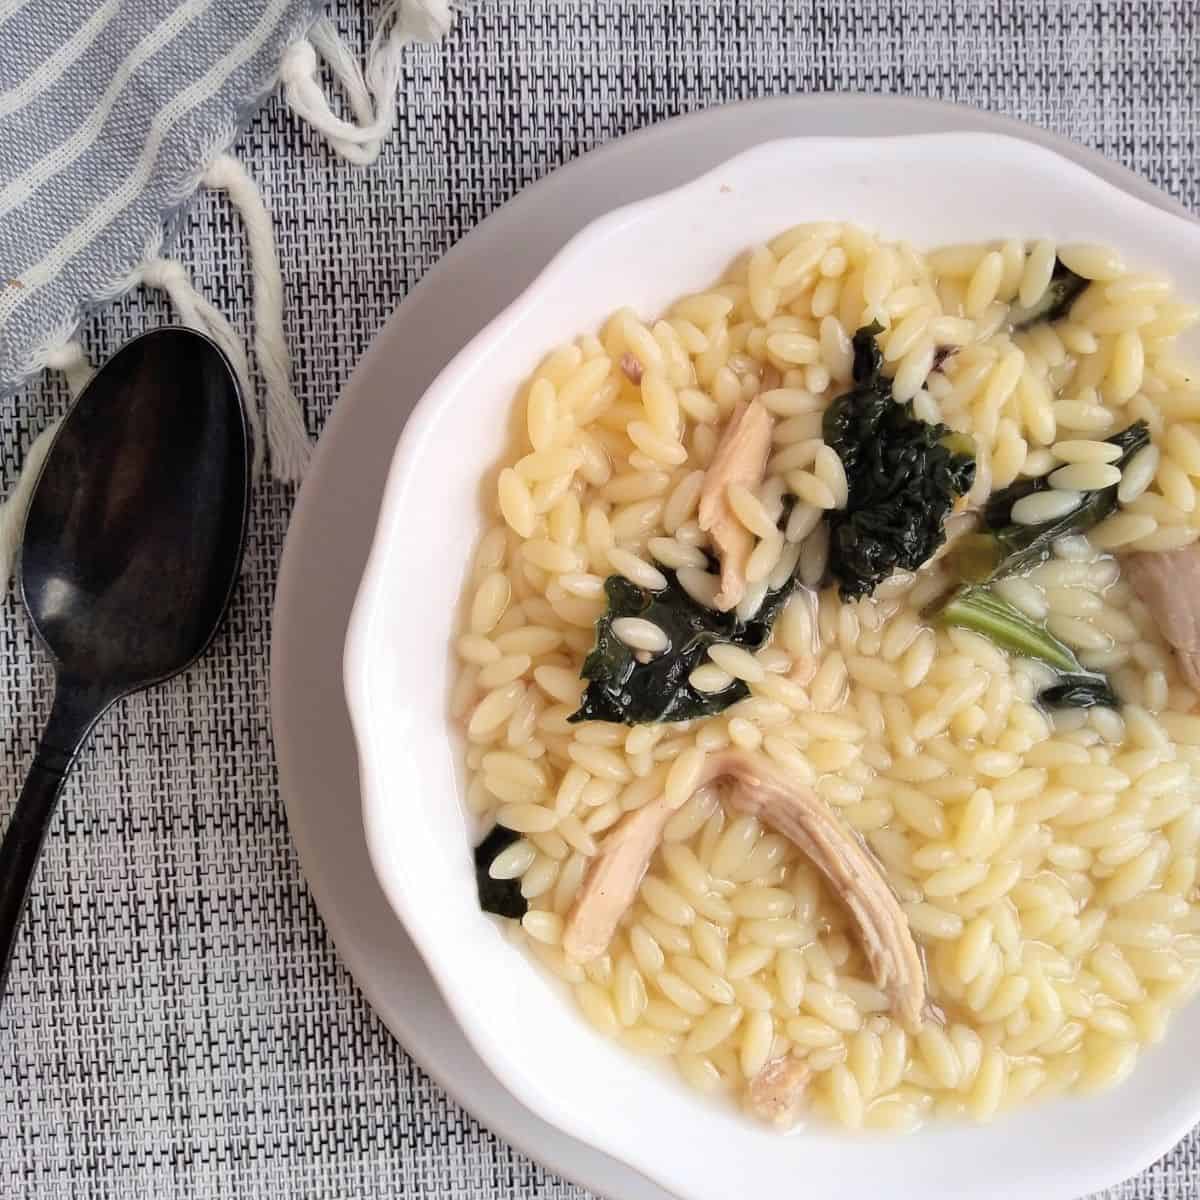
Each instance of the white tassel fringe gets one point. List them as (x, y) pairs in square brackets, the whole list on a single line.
[(13, 510), (196, 313), (372, 96), (286, 436)]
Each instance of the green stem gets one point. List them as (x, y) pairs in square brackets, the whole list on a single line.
[(981, 611)]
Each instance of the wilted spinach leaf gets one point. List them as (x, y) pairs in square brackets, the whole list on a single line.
[(625, 691), (1079, 691), (1064, 288), (904, 476), (983, 612), (1004, 546), (500, 896)]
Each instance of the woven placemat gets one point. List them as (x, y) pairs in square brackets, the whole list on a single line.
[(178, 1025)]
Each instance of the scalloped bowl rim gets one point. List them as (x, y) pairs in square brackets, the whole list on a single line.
[(597, 1091)]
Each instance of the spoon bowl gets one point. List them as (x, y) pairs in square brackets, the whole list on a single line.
[(130, 554), (139, 514)]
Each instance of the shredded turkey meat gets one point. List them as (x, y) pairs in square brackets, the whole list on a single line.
[(804, 818), (776, 1092), (1169, 583), (761, 789), (741, 457), (613, 880)]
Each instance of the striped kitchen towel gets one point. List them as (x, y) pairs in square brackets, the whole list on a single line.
[(112, 114)]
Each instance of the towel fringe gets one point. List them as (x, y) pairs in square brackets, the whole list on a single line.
[(13, 510), (70, 358), (197, 313), (287, 438), (371, 95)]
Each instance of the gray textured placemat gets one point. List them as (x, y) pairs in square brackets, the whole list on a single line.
[(178, 1024)]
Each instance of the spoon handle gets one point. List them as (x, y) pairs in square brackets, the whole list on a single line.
[(20, 852), (76, 709)]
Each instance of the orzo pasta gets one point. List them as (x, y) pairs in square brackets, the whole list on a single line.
[(829, 672)]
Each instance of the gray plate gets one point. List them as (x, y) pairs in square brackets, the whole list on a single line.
[(334, 522)]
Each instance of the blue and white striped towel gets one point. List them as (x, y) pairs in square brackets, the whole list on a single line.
[(109, 111)]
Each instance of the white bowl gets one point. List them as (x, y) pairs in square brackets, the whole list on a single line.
[(931, 190)]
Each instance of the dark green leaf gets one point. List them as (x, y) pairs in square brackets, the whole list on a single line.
[(1079, 691), (1064, 288), (904, 476), (625, 691), (500, 896), (868, 358), (1005, 547)]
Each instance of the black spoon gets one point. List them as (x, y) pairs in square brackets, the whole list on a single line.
[(130, 553)]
